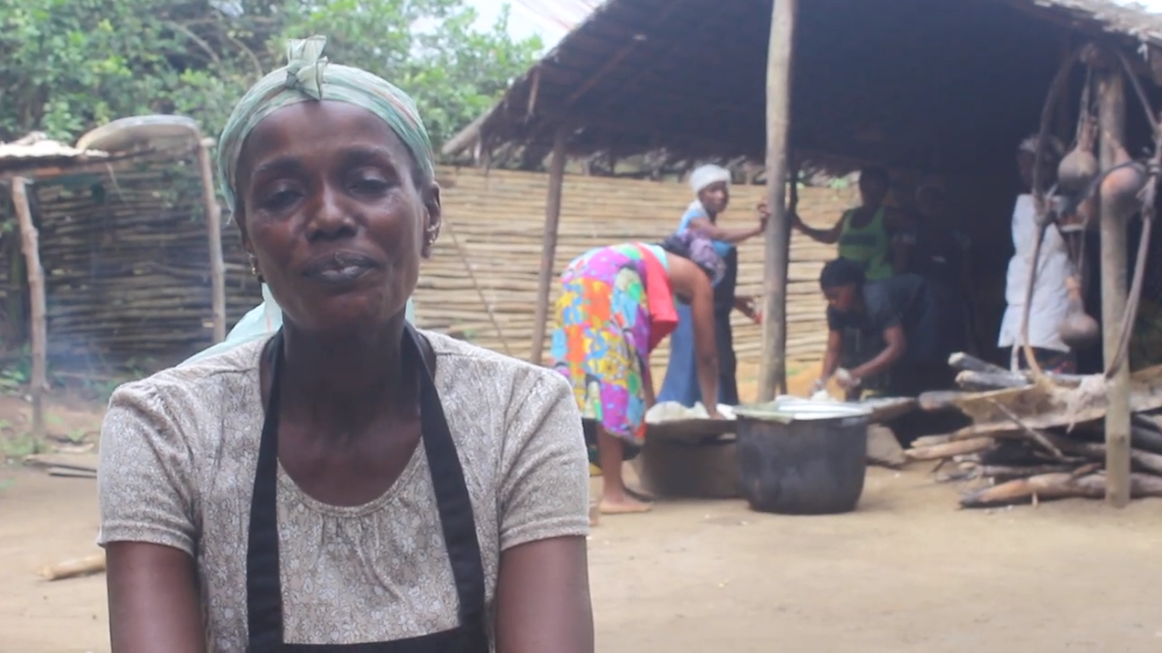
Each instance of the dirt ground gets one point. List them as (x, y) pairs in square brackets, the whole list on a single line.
[(905, 572)]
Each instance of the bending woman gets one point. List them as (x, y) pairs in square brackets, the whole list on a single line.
[(350, 482), (897, 326), (711, 185), (616, 305)]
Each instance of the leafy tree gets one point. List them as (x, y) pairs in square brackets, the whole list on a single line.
[(70, 65)]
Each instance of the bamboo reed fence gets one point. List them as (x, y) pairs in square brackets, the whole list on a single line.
[(128, 281), (497, 217), (126, 263)]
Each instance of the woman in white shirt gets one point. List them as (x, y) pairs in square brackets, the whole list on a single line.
[(1050, 299)]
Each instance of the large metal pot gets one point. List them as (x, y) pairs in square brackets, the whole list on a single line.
[(802, 457)]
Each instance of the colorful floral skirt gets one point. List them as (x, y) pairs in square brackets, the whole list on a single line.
[(599, 343)]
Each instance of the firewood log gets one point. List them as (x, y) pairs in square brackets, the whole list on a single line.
[(93, 564), (1056, 486), (937, 451), (1004, 473), (939, 400), (968, 362)]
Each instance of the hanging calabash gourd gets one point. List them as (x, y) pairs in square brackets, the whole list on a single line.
[(1079, 167), (1122, 184), (1078, 329)]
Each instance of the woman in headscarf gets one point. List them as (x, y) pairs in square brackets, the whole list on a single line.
[(350, 483), (897, 320), (616, 305), (1050, 296), (711, 186)]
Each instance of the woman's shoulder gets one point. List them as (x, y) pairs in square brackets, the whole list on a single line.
[(196, 385), (487, 367)]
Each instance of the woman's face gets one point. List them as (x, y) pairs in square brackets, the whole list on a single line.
[(872, 191), (329, 206), (841, 298), (1025, 169), (715, 197)]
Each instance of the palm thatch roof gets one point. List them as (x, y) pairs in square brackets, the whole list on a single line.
[(946, 85)]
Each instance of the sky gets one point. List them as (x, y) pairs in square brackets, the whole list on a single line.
[(551, 19)]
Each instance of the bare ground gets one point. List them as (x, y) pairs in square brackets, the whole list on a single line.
[(906, 572)]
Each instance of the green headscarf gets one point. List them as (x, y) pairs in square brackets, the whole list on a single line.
[(306, 77)]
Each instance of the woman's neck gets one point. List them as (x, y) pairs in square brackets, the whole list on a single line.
[(346, 378)]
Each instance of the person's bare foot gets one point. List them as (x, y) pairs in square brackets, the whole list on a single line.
[(623, 506)]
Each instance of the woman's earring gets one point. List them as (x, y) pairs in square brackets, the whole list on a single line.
[(254, 269)]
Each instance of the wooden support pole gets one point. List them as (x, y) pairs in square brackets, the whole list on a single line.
[(38, 330), (773, 369), (1112, 119), (214, 241), (549, 243)]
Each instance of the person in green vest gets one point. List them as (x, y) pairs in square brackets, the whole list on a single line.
[(873, 235)]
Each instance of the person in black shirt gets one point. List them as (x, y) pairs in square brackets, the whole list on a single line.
[(896, 326), (940, 257)]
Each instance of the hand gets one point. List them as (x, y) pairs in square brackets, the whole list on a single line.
[(764, 210), (714, 414), (847, 380), (819, 385)]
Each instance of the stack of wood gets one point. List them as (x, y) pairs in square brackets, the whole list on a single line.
[(1033, 440)]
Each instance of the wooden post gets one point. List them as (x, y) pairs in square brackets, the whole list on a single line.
[(38, 331), (214, 240), (549, 244), (773, 370), (1112, 119)]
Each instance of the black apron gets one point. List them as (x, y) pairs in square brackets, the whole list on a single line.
[(263, 580)]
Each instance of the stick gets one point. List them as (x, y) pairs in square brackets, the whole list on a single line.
[(479, 290), (773, 363), (1003, 473), (1037, 437), (214, 242), (1112, 118), (939, 400), (1056, 486), (549, 242), (968, 362), (93, 564), (950, 449), (29, 243)]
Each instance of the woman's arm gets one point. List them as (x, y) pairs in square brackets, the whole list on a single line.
[(542, 598), (745, 305), (146, 490), (715, 232), (692, 283), (825, 236), (542, 592), (153, 599), (896, 346), (831, 355)]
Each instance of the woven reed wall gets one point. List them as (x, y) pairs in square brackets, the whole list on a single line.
[(127, 265), (497, 218)]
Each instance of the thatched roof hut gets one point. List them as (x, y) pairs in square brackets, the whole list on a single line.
[(947, 86), (928, 84)]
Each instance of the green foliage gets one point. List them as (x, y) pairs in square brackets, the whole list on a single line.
[(70, 65)]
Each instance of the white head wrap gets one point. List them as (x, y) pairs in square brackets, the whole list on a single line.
[(705, 175), (1053, 146)]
